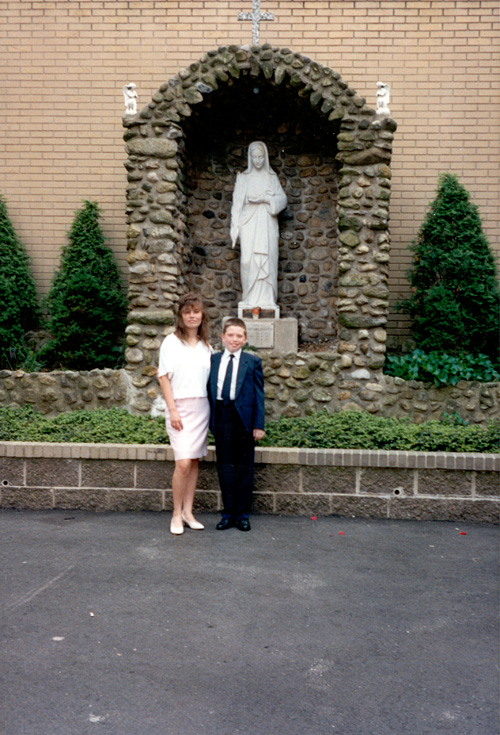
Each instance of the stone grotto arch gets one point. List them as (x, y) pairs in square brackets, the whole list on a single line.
[(332, 154)]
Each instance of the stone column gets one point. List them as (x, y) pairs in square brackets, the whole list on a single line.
[(364, 193), (156, 217)]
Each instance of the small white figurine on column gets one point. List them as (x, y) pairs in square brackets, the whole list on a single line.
[(383, 98), (258, 198), (130, 99)]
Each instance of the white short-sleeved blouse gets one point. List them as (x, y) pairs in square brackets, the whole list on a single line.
[(187, 367)]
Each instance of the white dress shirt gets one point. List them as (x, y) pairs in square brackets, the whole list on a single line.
[(224, 362)]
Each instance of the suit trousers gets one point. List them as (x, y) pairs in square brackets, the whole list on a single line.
[(235, 453)]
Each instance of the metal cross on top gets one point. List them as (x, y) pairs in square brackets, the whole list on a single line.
[(256, 17)]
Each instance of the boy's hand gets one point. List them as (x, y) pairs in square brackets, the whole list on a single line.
[(258, 434)]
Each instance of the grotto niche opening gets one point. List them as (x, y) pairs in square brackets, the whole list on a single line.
[(302, 146), (332, 154)]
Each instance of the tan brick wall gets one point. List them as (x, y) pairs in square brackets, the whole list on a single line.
[(64, 63)]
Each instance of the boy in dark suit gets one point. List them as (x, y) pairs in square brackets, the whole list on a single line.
[(236, 396)]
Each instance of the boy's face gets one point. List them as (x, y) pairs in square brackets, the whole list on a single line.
[(234, 338)]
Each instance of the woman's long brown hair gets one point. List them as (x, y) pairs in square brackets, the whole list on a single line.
[(192, 299)]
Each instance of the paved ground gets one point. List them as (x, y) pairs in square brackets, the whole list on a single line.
[(112, 626)]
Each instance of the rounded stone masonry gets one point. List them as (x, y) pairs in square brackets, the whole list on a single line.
[(295, 385), (332, 155), (303, 384), (65, 390)]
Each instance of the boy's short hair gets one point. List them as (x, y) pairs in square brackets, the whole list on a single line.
[(234, 321)]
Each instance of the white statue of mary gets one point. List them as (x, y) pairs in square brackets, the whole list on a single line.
[(257, 200)]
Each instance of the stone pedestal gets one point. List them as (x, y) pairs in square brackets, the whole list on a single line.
[(273, 334)]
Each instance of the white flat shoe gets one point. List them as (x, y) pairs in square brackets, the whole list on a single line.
[(193, 525), (176, 528)]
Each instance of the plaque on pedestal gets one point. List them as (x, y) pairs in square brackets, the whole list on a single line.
[(260, 333)]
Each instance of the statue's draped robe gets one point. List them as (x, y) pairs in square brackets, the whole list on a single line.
[(258, 232)]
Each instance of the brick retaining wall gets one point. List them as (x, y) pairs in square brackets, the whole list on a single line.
[(370, 484)]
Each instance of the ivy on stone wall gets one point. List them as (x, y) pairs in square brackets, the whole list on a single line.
[(86, 302), (20, 311), (441, 368)]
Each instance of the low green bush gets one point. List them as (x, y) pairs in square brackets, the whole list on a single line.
[(104, 426), (346, 430), (361, 430), (441, 368)]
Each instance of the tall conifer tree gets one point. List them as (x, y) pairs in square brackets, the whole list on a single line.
[(455, 306), (86, 302), (20, 311)]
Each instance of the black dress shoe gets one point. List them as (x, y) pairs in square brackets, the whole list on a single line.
[(243, 524), (224, 523)]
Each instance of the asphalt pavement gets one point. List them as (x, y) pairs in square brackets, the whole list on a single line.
[(112, 626)]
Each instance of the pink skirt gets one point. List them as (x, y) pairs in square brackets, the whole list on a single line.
[(191, 441)]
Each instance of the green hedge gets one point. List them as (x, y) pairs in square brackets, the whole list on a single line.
[(360, 430), (346, 430), (105, 426)]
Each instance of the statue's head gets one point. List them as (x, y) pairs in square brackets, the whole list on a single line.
[(257, 156)]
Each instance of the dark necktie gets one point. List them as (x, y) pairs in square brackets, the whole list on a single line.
[(226, 386)]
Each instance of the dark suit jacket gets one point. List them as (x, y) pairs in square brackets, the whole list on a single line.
[(249, 400)]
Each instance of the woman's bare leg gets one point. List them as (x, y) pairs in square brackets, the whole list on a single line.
[(189, 491), (179, 481)]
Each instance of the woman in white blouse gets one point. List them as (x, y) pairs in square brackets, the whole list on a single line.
[(183, 372)]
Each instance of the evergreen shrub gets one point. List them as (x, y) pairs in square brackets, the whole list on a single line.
[(86, 302), (455, 306), (20, 311), (345, 430)]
